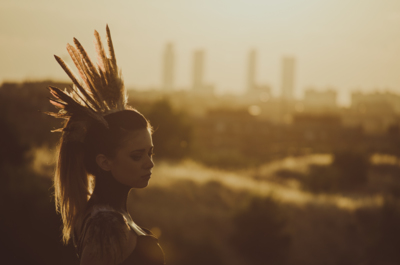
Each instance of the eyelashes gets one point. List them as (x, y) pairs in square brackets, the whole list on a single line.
[(138, 157)]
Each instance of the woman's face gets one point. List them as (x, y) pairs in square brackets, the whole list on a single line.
[(133, 162)]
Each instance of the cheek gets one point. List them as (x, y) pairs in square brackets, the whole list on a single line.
[(125, 167)]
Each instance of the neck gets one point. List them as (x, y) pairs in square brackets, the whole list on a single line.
[(109, 191)]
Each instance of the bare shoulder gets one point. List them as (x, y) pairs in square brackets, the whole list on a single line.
[(107, 237)]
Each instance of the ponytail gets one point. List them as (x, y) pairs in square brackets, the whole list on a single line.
[(71, 184)]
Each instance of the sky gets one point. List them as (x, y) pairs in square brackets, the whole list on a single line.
[(346, 45)]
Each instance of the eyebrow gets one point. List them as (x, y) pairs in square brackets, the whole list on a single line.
[(142, 150)]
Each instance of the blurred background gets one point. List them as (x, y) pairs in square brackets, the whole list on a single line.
[(277, 126)]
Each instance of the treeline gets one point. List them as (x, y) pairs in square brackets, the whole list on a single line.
[(23, 105), (207, 223), (223, 138), (211, 224)]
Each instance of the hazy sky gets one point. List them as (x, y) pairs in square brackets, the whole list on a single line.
[(343, 44)]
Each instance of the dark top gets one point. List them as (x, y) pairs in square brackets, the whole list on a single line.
[(99, 225), (146, 252)]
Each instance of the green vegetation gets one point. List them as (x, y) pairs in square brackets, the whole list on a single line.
[(348, 172), (203, 222), (172, 136), (260, 235)]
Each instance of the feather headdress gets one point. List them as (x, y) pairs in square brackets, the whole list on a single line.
[(96, 92)]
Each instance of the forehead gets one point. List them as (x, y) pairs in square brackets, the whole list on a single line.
[(138, 139)]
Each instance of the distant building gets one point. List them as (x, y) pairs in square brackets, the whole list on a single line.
[(168, 67), (251, 70), (320, 101), (198, 70), (374, 112), (318, 127), (288, 72), (256, 93), (376, 103), (199, 86)]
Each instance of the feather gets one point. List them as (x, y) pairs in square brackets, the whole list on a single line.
[(56, 115), (69, 72), (72, 107), (103, 79), (85, 57), (99, 90), (111, 47), (101, 55), (76, 59), (91, 74), (93, 86), (58, 104), (86, 92)]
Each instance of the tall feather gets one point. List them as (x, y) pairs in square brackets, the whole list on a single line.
[(94, 86), (111, 48), (71, 75), (99, 90), (91, 73), (87, 92), (85, 57), (101, 55), (76, 58)]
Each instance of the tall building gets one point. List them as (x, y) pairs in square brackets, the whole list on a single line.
[(198, 70), (168, 67), (251, 70), (288, 72)]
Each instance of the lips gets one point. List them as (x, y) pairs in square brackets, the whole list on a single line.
[(147, 176)]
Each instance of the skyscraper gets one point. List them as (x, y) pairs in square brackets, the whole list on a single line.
[(168, 67), (198, 70), (251, 70), (288, 71)]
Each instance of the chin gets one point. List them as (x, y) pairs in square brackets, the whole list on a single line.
[(141, 186)]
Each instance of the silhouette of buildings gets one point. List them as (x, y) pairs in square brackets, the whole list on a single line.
[(320, 101), (288, 72), (198, 84), (255, 92), (375, 112), (376, 103), (168, 67), (251, 70), (198, 70)]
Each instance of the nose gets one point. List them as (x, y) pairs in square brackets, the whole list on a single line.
[(149, 163)]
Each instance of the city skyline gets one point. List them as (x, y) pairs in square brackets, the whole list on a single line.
[(198, 70), (168, 68), (288, 77), (348, 45), (252, 70)]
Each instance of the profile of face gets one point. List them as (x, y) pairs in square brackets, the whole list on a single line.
[(133, 163)]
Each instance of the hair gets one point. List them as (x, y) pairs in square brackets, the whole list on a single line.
[(77, 163)]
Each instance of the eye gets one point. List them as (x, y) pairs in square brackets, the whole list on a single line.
[(136, 157)]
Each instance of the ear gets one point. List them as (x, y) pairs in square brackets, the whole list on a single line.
[(103, 162)]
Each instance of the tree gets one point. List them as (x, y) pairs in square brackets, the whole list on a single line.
[(260, 235), (173, 132)]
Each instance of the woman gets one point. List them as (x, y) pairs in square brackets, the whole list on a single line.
[(106, 150)]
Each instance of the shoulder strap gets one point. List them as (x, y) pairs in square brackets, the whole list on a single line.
[(137, 229)]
